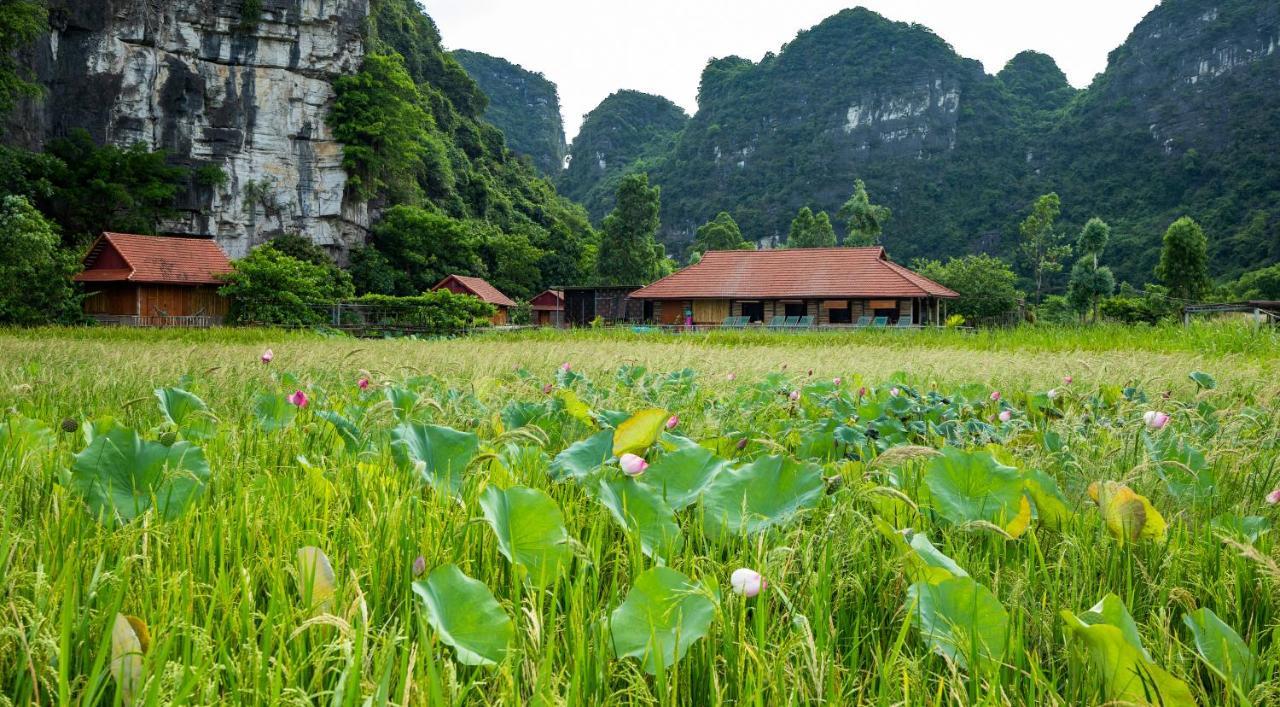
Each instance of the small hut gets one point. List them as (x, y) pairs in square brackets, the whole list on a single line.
[(548, 308), (137, 280), (479, 287)]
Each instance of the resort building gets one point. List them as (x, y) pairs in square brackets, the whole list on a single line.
[(796, 287), (548, 308), (154, 281), (479, 287)]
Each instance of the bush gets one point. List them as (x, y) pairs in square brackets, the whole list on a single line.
[(986, 285), (269, 287), (436, 312), (35, 274), (1056, 309)]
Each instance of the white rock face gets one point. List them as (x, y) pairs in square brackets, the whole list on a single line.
[(195, 79)]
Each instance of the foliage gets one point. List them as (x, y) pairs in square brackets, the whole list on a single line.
[(35, 273), (440, 455), (21, 22), (466, 616), (629, 255), (1263, 284), (422, 247), (864, 221), (986, 284), (1041, 247), (120, 476), (1184, 260), (1090, 282), (530, 531), (269, 287), (663, 615), (430, 313), (810, 231), (523, 104), (721, 233)]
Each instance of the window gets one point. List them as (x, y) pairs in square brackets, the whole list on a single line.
[(795, 309), (837, 314), (754, 311)]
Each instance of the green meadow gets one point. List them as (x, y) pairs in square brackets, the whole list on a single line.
[(1036, 516)]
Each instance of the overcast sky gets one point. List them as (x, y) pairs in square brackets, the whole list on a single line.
[(591, 48)]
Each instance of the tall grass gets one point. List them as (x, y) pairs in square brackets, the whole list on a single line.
[(217, 586)]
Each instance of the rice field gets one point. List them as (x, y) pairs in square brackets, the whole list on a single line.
[(1037, 516)]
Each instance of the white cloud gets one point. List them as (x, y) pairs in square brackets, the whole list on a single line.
[(591, 48)]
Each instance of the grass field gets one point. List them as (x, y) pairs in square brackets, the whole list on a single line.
[(481, 458)]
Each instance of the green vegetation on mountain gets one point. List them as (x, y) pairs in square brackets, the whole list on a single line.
[(523, 104), (720, 233), (809, 230), (21, 21), (626, 133)]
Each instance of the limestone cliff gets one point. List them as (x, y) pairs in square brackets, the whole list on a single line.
[(215, 83)]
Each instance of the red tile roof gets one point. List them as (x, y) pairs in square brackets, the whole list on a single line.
[(547, 301), (480, 288), (814, 273), (155, 259)]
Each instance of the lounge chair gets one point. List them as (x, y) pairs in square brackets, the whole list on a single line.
[(905, 322), (879, 322), (863, 321), (806, 322), (777, 322), (791, 323)]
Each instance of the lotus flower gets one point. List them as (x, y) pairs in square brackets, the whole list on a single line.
[(267, 356), (1006, 415), (546, 389), (1155, 420), (747, 582), (732, 377), (1052, 394), (419, 566), (995, 396), (1274, 497), (1066, 380), (895, 392), (795, 395), (363, 383), (862, 392), (632, 465), (673, 421), (835, 382), (298, 398), (565, 367)]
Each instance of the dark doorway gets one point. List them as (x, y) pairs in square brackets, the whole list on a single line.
[(840, 315), (795, 309), (890, 314), (754, 311)]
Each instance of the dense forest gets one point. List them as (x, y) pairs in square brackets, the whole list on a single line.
[(524, 105)]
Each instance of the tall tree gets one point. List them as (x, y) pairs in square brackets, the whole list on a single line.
[(629, 255), (1090, 282), (721, 233), (864, 220), (21, 21), (1042, 248), (35, 273), (810, 231), (1184, 260)]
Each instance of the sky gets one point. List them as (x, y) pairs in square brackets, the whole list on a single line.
[(591, 48)]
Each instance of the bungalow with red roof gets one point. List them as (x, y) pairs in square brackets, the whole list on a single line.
[(548, 308), (479, 287), (806, 286), (154, 280)]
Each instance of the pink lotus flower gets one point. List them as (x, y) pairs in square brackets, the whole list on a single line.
[(1274, 497), (1066, 380), (795, 395), (747, 582), (632, 465), (995, 396), (565, 367), (862, 392), (546, 389), (1006, 415), (363, 383), (1155, 420), (298, 398), (267, 356), (673, 421), (419, 566), (835, 382), (732, 377), (895, 392)]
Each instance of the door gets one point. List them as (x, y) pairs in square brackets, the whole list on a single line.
[(795, 309), (754, 311)]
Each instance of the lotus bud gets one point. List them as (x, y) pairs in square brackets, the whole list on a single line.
[(795, 395), (566, 367), (742, 443), (363, 383), (1155, 420), (732, 377), (1052, 394), (673, 421), (632, 465), (1066, 380), (298, 398), (995, 396), (835, 382), (1274, 497), (546, 389), (747, 582), (419, 566), (1006, 415), (267, 356), (895, 392), (862, 392)]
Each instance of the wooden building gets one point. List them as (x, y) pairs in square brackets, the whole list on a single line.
[(479, 287), (548, 308), (826, 286), (611, 303), (154, 281)]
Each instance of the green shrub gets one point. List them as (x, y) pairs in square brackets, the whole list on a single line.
[(436, 312), (35, 274), (270, 287)]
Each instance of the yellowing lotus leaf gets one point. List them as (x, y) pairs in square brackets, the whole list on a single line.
[(638, 432), (129, 641), (1129, 516), (315, 579)]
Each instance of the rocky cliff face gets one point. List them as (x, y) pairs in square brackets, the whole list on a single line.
[(247, 95), (524, 105)]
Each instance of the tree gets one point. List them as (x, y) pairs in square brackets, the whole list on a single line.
[(35, 273), (629, 254), (269, 287), (1184, 260), (1090, 282), (987, 285), (423, 247), (1041, 246), (721, 233), (864, 220), (21, 22), (810, 231), (1261, 284)]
